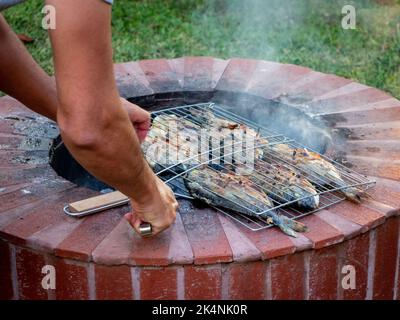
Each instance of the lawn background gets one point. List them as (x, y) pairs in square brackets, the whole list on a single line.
[(304, 32)]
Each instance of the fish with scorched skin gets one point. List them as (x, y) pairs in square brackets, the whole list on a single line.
[(171, 141), (237, 193), (285, 184), (281, 183), (318, 170)]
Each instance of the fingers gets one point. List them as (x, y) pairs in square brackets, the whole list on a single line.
[(137, 114), (136, 222), (139, 117), (141, 133), (160, 212), (133, 221)]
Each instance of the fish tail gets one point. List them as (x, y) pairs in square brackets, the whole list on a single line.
[(285, 228), (287, 225), (295, 225), (354, 194)]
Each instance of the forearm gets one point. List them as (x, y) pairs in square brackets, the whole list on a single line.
[(110, 150), (22, 78), (93, 124)]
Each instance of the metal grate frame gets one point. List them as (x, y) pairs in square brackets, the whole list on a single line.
[(328, 192)]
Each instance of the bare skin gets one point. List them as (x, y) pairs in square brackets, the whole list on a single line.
[(102, 131)]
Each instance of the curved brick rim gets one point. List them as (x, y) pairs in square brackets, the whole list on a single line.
[(205, 255)]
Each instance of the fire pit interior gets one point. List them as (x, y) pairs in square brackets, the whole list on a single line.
[(273, 124), (206, 255), (274, 115)]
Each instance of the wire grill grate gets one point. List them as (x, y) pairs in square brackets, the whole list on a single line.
[(194, 118)]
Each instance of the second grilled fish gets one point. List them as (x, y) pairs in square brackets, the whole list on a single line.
[(233, 192), (318, 169), (284, 184)]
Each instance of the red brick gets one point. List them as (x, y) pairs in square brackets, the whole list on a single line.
[(363, 116), (13, 142), (71, 280), (323, 274), (180, 251), (19, 159), (131, 80), (47, 239), (243, 249), (203, 282), (26, 175), (388, 150), (18, 213), (29, 274), (80, 243), (237, 75), (151, 251), (387, 210), (246, 281), (355, 253), (350, 88), (158, 284), (386, 191), (346, 227), (13, 188), (204, 231), (161, 250), (371, 131), (292, 89), (116, 247), (302, 243), (10, 105), (120, 70), (178, 66), (123, 246), (32, 193), (387, 236), (10, 142), (271, 242), (346, 101), (198, 73), (376, 167), (160, 76), (359, 214), (113, 283), (41, 216), (287, 277), (272, 82), (321, 233), (319, 85), (6, 288), (6, 126), (218, 70)]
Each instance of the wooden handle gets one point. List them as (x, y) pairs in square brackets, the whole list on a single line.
[(97, 201)]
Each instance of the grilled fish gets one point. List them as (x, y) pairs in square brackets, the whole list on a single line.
[(223, 128), (284, 184), (167, 142), (233, 192), (279, 182), (197, 140), (317, 169)]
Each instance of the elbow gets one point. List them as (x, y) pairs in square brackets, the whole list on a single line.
[(80, 135)]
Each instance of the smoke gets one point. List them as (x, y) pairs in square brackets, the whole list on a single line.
[(275, 30), (261, 29), (278, 118)]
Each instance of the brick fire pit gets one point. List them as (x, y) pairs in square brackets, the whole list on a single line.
[(205, 254)]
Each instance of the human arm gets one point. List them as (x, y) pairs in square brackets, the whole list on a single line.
[(22, 78), (93, 123)]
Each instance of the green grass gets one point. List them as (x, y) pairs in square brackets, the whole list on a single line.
[(304, 32)]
